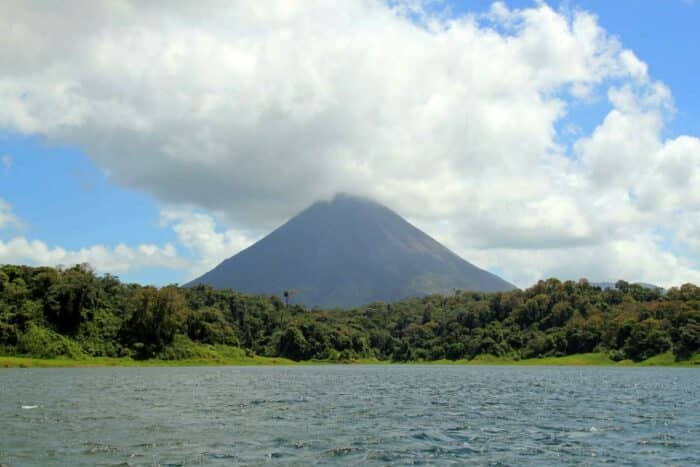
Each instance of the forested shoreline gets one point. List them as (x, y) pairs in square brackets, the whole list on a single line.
[(75, 313)]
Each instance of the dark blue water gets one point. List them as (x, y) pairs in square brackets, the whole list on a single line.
[(363, 415)]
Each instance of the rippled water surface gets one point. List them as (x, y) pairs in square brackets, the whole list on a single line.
[(365, 415)]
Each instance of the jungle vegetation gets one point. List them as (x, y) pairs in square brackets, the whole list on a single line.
[(73, 312)]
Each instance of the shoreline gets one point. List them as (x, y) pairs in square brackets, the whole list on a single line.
[(591, 359)]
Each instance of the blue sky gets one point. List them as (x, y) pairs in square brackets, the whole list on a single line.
[(66, 192), (65, 200)]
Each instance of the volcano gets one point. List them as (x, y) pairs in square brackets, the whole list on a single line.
[(348, 252)]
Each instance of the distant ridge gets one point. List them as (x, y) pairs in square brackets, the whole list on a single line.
[(348, 252), (611, 285)]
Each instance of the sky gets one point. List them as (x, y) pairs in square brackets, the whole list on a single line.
[(534, 138)]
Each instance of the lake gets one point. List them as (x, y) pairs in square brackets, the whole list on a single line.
[(354, 414)]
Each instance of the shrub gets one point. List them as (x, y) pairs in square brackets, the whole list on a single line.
[(182, 348), (45, 343)]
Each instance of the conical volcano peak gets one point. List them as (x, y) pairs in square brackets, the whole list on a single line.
[(348, 198), (344, 208), (346, 252), (347, 201)]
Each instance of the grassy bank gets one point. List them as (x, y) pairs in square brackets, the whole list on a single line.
[(240, 359), (29, 362), (586, 359)]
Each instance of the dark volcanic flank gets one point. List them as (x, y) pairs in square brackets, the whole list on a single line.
[(349, 252)]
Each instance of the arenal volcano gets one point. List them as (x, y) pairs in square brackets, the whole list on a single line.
[(348, 252)]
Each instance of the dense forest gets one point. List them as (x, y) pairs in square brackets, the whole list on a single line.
[(48, 312)]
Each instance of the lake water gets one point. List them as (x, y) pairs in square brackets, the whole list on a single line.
[(362, 415)]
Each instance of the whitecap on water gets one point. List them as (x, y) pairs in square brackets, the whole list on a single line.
[(29, 407)]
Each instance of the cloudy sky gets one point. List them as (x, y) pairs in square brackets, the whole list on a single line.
[(535, 139)]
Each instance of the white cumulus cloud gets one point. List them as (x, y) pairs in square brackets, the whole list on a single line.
[(118, 259), (256, 109), (199, 233)]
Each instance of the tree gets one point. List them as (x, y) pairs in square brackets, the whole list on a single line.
[(156, 317), (209, 325), (646, 339), (686, 334), (72, 298), (292, 344)]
